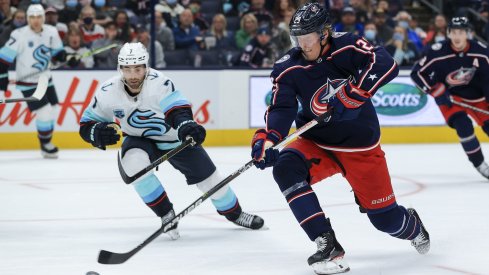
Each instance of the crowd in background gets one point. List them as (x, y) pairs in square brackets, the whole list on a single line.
[(224, 33)]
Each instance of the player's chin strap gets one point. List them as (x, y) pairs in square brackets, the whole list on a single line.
[(321, 38)]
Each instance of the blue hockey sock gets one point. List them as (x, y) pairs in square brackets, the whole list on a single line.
[(45, 130), (397, 222), (153, 194), (470, 143)]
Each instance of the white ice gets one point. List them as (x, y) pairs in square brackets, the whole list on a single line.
[(55, 216)]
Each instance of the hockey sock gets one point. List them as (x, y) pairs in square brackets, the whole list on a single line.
[(290, 172), (397, 222), (45, 123), (153, 194), (470, 143)]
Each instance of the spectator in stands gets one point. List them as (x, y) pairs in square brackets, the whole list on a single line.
[(140, 9), (281, 9), (413, 25), (349, 22), (281, 34), (164, 34), (404, 52), (362, 10), (402, 19), (218, 37), (249, 26), (52, 19), (235, 7), (144, 37), (75, 48), (90, 31), (437, 32), (370, 33), (259, 53), (102, 16), (70, 12), (187, 35), (383, 7), (57, 4), (170, 10), (107, 59), (384, 31), (264, 17), (199, 19), (124, 31), (6, 12), (18, 20)]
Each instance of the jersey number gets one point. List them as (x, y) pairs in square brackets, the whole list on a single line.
[(364, 45)]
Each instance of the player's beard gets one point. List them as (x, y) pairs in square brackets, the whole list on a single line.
[(134, 84)]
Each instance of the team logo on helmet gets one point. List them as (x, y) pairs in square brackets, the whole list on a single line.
[(319, 101), (461, 76)]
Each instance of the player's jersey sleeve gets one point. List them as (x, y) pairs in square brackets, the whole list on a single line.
[(9, 51), (374, 65), (423, 73), (96, 111), (56, 43)]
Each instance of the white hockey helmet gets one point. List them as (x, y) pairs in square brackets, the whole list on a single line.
[(35, 10), (133, 54)]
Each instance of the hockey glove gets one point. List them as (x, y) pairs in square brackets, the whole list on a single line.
[(263, 155), (190, 128), (3, 84), (441, 95), (73, 62), (103, 134), (347, 103)]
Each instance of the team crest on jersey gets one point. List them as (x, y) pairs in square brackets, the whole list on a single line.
[(461, 76), (319, 101), (119, 113), (284, 58)]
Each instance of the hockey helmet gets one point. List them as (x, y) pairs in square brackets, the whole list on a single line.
[(35, 10), (133, 54), (459, 23), (311, 17)]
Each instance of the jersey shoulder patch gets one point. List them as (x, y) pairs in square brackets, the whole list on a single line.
[(338, 34), (291, 58)]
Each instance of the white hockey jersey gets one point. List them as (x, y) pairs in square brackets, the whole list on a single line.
[(33, 51), (142, 115)]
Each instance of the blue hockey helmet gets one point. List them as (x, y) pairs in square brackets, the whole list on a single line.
[(311, 17), (459, 23)]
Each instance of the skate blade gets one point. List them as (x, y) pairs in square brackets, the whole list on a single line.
[(335, 266), (49, 155)]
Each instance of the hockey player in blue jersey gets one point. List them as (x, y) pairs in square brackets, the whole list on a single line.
[(154, 117), (32, 47), (458, 68), (327, 63)]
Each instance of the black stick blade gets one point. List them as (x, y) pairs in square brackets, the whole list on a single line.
[(125, 177), (107, 257)]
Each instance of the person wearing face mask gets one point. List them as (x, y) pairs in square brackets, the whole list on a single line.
[(170, 9), (370, 34), (18, 20), (403, 18), (199, 19), (89, 29), (401, 49), (457, 69), (437, 32)]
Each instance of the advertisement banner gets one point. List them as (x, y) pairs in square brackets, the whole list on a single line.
[(75, 90), (398, 103)]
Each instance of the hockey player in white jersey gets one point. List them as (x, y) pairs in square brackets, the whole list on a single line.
[(33, 47), (155, 117)]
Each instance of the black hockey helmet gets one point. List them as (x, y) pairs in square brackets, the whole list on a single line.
[(459, 23), (309, 18)]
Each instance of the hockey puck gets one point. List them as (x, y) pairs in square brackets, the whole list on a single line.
[(92, 273)]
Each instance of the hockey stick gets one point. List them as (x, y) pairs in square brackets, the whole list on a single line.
[(129, 179), (465, 105), (107, 257), (42, 86)]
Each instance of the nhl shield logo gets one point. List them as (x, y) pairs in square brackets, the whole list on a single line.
[(119, 113), (30, 44)]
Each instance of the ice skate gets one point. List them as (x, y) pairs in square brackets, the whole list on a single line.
[(329, 257), (172, 231), (483, 169), (422, 241), (248, 221), (49, 151)]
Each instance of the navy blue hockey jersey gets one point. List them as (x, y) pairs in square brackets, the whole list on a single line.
[(465, 73), (348, 57)]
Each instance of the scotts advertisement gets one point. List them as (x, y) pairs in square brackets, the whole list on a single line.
[(398, 103), (75, 92)]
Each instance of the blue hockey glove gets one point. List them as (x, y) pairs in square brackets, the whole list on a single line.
[(103, 134), (263, 155), (192, 129), (347, 103), (441, 95)]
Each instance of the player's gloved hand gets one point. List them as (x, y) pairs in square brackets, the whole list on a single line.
[(192, 129), (347, 102), (3, 84), (73, 62), (263, 155), (103, 134), (441, 95)]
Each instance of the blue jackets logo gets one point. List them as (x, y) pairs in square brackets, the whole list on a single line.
[(397, 99)]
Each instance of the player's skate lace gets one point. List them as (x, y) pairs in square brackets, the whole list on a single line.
[(483, 169), (249, 221), (328, 258), (49, 151), (172, 231), (422, 240)]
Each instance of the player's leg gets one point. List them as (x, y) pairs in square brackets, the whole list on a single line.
[(300, 164), (138, 153), (198, 168), (45, 116), (368, 175)]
